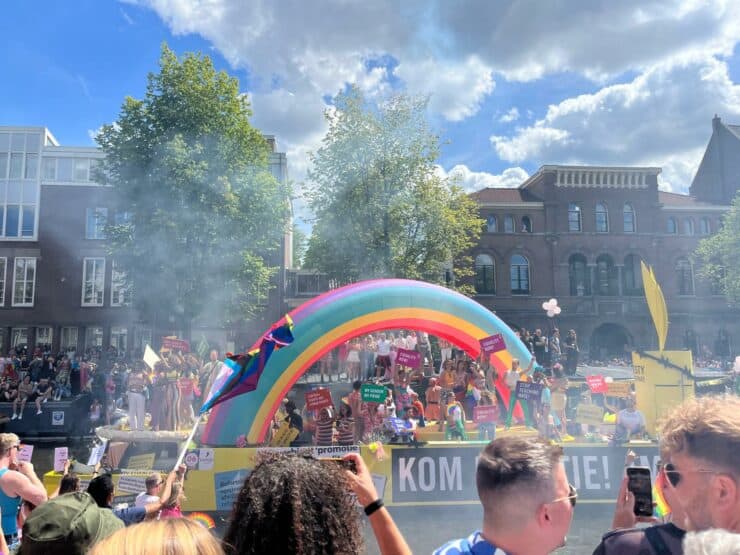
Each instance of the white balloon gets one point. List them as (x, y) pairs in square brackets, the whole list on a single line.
[(556, 310), (551, 313)]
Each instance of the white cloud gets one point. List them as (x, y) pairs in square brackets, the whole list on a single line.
[(511, 115), (455, 51), (472, 181), (456, 90), (662, 117)]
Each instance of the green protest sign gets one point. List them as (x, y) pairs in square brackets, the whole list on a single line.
[(373, 393)]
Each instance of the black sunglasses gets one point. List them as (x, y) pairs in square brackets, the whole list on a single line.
[(674, 476)]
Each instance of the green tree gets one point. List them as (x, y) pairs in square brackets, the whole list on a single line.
[(205, 213), (300, 244), (381, 208), (718, 256)]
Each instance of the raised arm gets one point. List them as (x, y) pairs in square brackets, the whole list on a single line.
[(389, 537)]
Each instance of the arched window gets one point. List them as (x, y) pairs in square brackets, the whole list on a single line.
[(526, 224), (519, 275), (632, 275), (671, 226), (602, 218), (628, 216), (491, 224), (578, 274), (485, 276), (606, 275), (688, 226), (508, 224), (574, 217), (685, 276), (705, 227)]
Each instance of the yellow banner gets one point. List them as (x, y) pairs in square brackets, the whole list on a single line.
[(589, 414), (141, 462)]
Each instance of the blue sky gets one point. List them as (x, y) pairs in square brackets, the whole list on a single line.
[(512, 85)]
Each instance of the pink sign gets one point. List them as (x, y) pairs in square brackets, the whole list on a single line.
[(409, 358), (597, 384), (176, 344), (317, 399), (485, 413), (493, 344)]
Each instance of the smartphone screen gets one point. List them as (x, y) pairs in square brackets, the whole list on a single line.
[(640, 485)]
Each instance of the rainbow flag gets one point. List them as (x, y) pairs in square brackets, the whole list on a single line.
[(203, 519), (662, 509), (240, 373)]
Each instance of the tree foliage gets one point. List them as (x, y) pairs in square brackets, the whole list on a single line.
[(206, 214), (381, 208), (718, 256)]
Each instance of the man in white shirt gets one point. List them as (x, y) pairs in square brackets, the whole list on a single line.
[(153, 483)]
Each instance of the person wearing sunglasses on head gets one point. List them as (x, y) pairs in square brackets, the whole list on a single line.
[(527, 501), (699, 478)]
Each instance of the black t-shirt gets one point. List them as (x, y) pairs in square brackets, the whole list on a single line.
[(662, 539)]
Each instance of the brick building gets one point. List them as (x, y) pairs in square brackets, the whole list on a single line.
[(578, 233), (58, 286)]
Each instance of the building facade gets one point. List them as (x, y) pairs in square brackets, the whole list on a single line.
[(577, 234), (59, 286)]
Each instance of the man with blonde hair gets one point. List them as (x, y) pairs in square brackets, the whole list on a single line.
[(18, 481), (527, 501), (700, 447)]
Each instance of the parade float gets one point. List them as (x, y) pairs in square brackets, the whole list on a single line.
[(222, 446)]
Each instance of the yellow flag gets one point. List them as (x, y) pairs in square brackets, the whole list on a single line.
[(656, 303)]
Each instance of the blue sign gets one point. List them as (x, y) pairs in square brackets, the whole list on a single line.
[(227, 486)]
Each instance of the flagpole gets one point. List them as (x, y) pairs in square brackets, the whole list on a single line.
[(187, 442)]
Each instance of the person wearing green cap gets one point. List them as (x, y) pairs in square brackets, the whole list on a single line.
[(69, 524)]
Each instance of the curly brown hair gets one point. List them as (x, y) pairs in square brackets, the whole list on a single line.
[(294, 504)]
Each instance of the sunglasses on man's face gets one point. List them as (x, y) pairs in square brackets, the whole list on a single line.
[(674, 475), (572, 496)]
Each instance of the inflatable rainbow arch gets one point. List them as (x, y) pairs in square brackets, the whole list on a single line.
[(339, 315)]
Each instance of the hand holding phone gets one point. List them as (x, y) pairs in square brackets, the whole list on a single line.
[(640, 485)]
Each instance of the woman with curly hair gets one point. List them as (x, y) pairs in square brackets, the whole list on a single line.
[(293, 504)]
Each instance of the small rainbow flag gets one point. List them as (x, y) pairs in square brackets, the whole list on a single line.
[(203, 519), (662, 509)]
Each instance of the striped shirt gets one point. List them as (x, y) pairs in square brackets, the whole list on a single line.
[(346, 429), (324, 431)]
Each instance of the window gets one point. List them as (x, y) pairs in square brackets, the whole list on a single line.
[(491, 224), (628, 217), (120, 289), (16, 166), (508, 224), (574, 217), (96, 220), (49, 169), (93, 281), (81, 167), (485, 278), (526, 224), (32, 166), (18, 337), (688, 226), (69, 339), (606, 275), (602, 218), (519, 275), (65, 169), (632, 275), (119, 339), (93, 337), (578, 273), (3, 165), (705, 227), (122, 217), (685, 276), (3, 272), (24, 281), (94, 165), (44, 335), (671, 226)]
